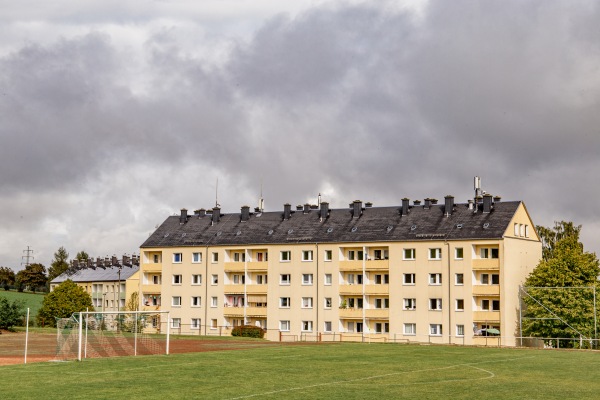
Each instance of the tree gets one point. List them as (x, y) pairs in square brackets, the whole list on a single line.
[(66, 299), (7, 277), (82, 256), (550, 236), (11, 313), (59, 264), (133, 304), (32, 277), (566, 308)]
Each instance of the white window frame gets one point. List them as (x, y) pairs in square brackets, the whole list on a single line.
[(199, 301), (435, 279), (176, 301), (413, 279), (214, 257), (437, 305), (177, 258), (435, 329), (176, 323), (456, 255), (307, 302), (435, 253), (284, 326), (284, 302), (307, 255), (285, 283), (327, 326), (460, 330), (214, 324), (177, 279), (195, 323), (457, 305), (409, 254), (214, 279), (327, 281), (307, 279), (285, 256), (327, 255), (410, 304), (214, 301), (197, 279), (196, 258), (409, 329), (462, 279), (327, 302), (307, 326)]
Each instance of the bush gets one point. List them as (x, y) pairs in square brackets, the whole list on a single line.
[(11, 313), (248, 331)]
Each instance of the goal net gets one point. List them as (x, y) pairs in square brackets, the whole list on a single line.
[(111, 334)]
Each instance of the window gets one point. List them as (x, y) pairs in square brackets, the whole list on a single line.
[(435, 329), (488, 253), (410, 304), (307, 279), (459, 279), (284, 326), (521, 230), (176, 257), (156, 279), (495, 279), (382, 303), (460, 305), (196, 301), (285, 256), (526, 230), (485, 279), (435, 254), (409, 254), (196, 279), (494, 253), (458, 253), (327, 279), (262, 279), (410, 329), (176, 323), (328, 255), (516, 229), (359, 327), (350, 279), (214, 280), (213, 301), (351, 255), (327, 326), (176, 279), (435, 304), (485, 305), (196, 257), (156, 259), (284, 279), (176, 301), (307, 326), (495, 305), (307, 302), (284, 302), (195, 323), (307, 255), (327, 302), (239, 257), (382, 327), (215, 257), (409, 279), (213, 324), (382, 279), (237, 279), (460, 330), (435, 279)]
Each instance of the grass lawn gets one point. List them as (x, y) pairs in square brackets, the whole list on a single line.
[(33, 301), (326, 371)]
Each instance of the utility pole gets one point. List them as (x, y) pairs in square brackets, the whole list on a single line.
[(27, 256)]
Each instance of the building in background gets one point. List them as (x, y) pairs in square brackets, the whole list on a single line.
[(427, 272)]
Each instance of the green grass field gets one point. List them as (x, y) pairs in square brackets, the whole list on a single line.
[(33, 301), (326, 371)]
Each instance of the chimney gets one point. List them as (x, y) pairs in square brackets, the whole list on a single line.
[(368, 204), (306, 208), (470, 204), (114, 261), (287, 211), (417, 202), (405, 202), (183, 216), (487, 203), (356, 208), (324, 213), (245, 213), (216, 215), (434, 201), (427, 203), (448, 205), (497, 199), (299, 207)]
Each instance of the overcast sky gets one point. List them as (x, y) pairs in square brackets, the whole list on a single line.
[(116, 114)]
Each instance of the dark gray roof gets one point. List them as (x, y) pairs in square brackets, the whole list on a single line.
[(98, 274), (375, 224)]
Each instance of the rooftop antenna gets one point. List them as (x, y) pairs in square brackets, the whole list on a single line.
[(217, 194), (261, 200), (319, 199)]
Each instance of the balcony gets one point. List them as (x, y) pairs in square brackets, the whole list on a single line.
[(351, 265), (486, 290), (351, 313), (152, 267), (378, 265), (258, 266), (486, 263), (252, 266), (380, 313), (151, 289), (234, 267), (250, 289), (150, 308), (249, 311), (377, 289), (486, 316), (351, 289)]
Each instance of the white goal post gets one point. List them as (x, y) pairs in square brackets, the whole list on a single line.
[(93, 334)]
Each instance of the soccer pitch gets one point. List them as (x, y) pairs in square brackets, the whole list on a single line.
[(319, 371)]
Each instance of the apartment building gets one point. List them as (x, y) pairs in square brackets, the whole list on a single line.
[(427, 272), (109, 287)]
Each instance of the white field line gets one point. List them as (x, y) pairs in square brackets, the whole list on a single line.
[(472, 365)]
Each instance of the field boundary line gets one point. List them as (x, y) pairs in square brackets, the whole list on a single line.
[(365, 378)]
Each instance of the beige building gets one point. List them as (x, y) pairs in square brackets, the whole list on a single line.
[(109, 287), (426, 272)]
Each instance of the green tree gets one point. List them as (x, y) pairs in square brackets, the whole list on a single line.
[(32, 277), (66, 299), (59, 264), (11, 313), (7, 277), (133, 304), (550, 236), (82, 256), (566, 308)]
